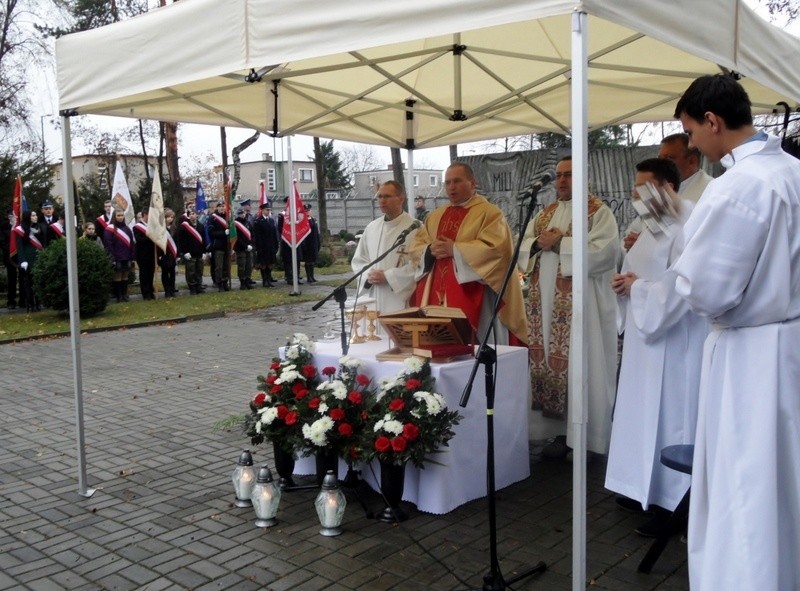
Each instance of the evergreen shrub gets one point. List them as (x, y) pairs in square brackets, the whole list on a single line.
[(94, 277)]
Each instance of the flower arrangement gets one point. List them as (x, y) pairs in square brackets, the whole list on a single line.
[(276, 409), (338, 411), (411, 420)]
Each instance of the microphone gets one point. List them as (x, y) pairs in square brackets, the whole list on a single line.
[(404, 234), (545, 178), (401, 237)]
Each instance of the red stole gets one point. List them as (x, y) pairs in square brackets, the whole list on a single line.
[(101, 220), (220, 220), (57, 229), (31, 239), (242, 229), (120, 233), (189, 228), (171, 246), (445, 290)]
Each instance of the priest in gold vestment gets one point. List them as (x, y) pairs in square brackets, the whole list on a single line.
[(462, 253)]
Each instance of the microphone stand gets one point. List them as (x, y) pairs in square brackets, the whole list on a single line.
[(493, 580), (341, 296)]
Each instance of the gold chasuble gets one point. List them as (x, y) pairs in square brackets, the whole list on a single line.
[(549, 377), (483, 239)]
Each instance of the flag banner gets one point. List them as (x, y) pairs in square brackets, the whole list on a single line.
[(156, 224), (17, 209), (228, 216), (300, 220), (200, 204), (121, 196), (262, 193), (17, 204)]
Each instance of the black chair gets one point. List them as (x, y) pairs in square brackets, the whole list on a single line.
[(677, 457)]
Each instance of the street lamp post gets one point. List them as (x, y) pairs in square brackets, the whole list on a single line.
[(44, 154)]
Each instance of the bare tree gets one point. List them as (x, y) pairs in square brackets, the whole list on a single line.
[(358, 158)]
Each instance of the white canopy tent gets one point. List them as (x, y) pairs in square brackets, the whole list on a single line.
[(419, 74)]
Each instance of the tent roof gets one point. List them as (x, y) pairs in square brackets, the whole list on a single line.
[(475, 69)]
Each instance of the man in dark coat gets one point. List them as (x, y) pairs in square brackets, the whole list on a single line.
[(145, 258), (265, 236), (311, 246)]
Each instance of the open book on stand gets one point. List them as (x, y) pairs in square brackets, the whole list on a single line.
[(435, 332)]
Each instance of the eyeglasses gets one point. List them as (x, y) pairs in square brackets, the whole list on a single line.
[(564, 175)]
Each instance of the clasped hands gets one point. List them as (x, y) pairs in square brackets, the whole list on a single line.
[(442, 248), (549, 239), (621, 283)]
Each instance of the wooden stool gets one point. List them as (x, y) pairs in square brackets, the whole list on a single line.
[(677, 457)]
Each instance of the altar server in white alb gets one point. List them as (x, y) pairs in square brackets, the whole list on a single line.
[(660, 372), (391, 281), (741, 268)]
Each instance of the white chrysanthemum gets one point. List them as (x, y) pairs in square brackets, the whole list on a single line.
[(302, 340), (388, 383), (268, 415), (315, 435), (351, 363), (413, 364), (433, 402), (378, 425), (394, 427), (258, 427), (323, 408), (293, 352), (416, 414), (317, 431), (337, 388), (287, 377)]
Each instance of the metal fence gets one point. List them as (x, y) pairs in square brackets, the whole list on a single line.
[(503, 178)]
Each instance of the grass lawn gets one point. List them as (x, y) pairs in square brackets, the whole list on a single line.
[(18, 326)]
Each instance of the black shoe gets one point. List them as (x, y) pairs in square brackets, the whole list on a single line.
[(226, 285), (630, 505), (657, 524), (556, 448)]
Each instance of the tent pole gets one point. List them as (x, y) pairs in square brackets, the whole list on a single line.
[(74, 302), (577, 364)]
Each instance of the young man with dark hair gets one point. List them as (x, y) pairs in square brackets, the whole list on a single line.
[(659, 376), (741, 269)]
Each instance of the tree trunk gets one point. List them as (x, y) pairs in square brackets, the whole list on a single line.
[(144, 152), (171, 137), (237, 162), (322, 210)]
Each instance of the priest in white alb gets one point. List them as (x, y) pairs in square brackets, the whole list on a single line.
[(390, 281), (741, 269), (546, 254), (659, 376)]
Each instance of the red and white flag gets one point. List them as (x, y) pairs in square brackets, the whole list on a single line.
[(295, 217), (262, 193)]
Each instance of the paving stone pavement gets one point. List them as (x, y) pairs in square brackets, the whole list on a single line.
[(162, 516)]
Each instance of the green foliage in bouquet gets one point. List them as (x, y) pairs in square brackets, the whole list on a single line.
[(275, 411), (337, 414), (411, 421)]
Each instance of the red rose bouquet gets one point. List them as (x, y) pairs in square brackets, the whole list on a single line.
[(275, 410), (337, 412), (410, 421)]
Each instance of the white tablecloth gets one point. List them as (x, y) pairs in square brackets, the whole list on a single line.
[(462, 475)]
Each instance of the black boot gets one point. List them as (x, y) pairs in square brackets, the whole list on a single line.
[(118, 291), (226, 285), (310, 272), (124, 290)]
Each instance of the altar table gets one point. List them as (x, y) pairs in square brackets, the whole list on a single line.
[(460, 474)]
